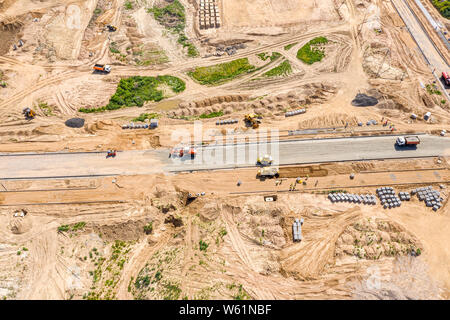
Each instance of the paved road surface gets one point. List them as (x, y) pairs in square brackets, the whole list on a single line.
[(157, 161)]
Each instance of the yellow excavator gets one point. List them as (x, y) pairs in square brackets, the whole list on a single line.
[(29, 114), (252, 120)]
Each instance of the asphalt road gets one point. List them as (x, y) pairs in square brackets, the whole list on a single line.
[(215, 157)]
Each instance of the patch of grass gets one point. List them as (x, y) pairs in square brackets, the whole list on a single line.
[(134, 91), (144, 116), (211, 115), (97, 11), (203, 245), (171, 291), (264, 56), (221, 72), (242, 294), (283, 69), (289, 46), (46, 109), (148, 228), (63, 228), (128, 5), (443, 7), (309, 53), (432, 89), (173, 18), (78, 226)]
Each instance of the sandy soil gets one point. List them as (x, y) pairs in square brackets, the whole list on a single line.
[(77, 238)]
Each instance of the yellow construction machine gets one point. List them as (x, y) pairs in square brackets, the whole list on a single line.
[(252, 120), (29, 114)]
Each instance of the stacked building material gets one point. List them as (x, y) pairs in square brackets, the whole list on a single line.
[(431, 197), (297, 229), (153, 124), (368, 199), (294, 112), (209, 14), (388, 198), (229, 121)]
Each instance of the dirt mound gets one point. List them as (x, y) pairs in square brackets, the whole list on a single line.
[(373, 238), (121, 230), (330, 120), (363, 100), (19, 225), (75, 123)]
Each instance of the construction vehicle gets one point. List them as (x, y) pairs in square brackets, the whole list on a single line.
[(111, 28), (29, 114), (446, 78), (297, 229), (111, 153), (268, 172), (265, 160), (408, 141), (181, 152), (102, 68), (252, 120)]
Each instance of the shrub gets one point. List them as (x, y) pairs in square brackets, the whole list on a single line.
[(63, 228), (203, 245), (281, 70), (148, 228)]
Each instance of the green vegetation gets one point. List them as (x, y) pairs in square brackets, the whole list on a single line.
[(3, 83), (63, 228), (432, 89), (134, 91), (97, 11), (283, 69), (203, 245), (107, 273), (145, 116), (45, 108), (443, 7), (211, 115), (221, 72), (171, 291), (77, 226), (148, 228), (264, 56), (173, 18), (309, 53), (128, 5), (289, 46)]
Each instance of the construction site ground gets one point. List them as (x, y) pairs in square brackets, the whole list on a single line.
[(75, 224)]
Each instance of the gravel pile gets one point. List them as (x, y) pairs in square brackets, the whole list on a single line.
[(431, 197), (363, 100), (75, 123), (353, 198)]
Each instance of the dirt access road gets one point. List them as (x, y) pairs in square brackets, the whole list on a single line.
[(134, 162), (431, 53)]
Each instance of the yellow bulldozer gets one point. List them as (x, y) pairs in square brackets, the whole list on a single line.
[(252, 120)]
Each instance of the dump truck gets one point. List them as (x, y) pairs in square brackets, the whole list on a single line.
[(446, 78), (408, 141), (265, 160), (252, 120), (29, 114), (268, 172), (102, 68)]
